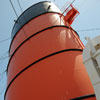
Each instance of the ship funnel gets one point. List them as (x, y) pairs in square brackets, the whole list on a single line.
[(46, 57)]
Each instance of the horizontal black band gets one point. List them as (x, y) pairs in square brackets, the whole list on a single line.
[(33, 12), (55, 53), (33, 36), (18, 25), (84, 97), (15, 29)]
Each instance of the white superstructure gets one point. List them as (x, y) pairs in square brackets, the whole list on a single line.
[(91, 60)]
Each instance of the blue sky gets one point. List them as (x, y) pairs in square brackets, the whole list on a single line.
[(89, 18)]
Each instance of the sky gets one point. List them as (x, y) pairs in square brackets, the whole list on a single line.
[(88, 19)]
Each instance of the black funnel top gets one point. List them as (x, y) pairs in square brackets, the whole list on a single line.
[(33, 12)]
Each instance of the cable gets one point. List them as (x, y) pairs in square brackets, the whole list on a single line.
[(19, 5), (2, 75), (4, 54), (17, 16), (2, 90), (21, 9), (3, 72), (64, 6), (13, 8), (64, 11), (0, 82), (2, 57), (88, 30), (77, 30), (5, 40), (68, 6), (80, 30)]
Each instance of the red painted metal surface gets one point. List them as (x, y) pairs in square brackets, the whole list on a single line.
[(61, 76), (71, 14)]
